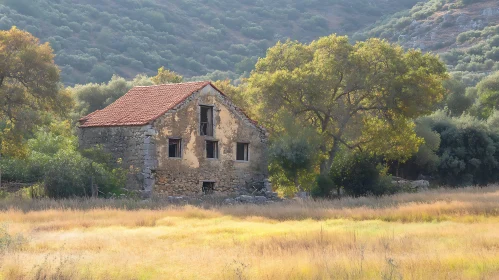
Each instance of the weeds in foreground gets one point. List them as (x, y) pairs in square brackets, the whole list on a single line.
[(10, 241), (391, 238)]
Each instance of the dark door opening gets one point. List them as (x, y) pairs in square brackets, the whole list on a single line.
[(208, 187)]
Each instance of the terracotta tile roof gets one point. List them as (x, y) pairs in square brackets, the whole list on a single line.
[(142, 105)]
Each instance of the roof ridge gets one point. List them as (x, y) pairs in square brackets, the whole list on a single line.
[(199, 82)]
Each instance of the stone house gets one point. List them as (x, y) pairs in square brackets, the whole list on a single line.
[(180, 139)]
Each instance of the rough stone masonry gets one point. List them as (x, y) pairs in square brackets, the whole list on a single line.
[(180, 140)]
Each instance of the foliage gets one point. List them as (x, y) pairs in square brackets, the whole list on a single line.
[(458, 151), (323, 187), (488, 94), (128, 37), (29, 88), (294, 151), (54, 160), (426, 158), (360, 174), (70, 174), (457, 102), (340, 90), (237, 94), (166, 76), (92, 97), (468, 152), (394, 139), (469, 49)]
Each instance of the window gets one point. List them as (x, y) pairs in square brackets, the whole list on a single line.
[(175, 148), (208, 187), (211, 149), (206, 121), (242, 152)]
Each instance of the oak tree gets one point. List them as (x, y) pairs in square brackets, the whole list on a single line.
[(29, 88), (343, 90)]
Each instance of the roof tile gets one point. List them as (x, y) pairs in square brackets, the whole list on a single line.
[(142, 105)]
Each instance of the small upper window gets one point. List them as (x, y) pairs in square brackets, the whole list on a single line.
[(206, 121), (242, 151), (211, 149), (175, 148)]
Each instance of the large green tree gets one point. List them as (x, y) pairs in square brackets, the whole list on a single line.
[(29, 87), (343, 90)]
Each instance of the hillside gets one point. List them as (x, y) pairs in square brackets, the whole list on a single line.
[(95, 39), (465, 34)]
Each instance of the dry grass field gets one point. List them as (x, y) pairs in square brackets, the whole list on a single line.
[(443, 234)]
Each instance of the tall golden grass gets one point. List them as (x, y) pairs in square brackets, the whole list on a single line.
[(440, 234)]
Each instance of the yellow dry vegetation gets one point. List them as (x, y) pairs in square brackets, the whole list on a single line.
[(443, 234)]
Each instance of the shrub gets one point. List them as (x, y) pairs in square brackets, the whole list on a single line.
[(457, 102), (493, 54), (323, 187), (70, 174), (465, 36), (468, 152), (63, 171), (403, 22), (494, 41), (360, 174)]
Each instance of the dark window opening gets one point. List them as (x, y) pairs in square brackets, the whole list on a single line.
[(208, 187), (206, 121), (242, 152), (211, 149), (175, 148)]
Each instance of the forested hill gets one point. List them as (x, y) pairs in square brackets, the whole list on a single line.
[(464, 32), (94, 39)]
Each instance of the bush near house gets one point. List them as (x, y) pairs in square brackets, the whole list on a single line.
[(54, 161)]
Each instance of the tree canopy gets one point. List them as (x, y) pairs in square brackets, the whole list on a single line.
[(29, 87), (343, 90), (166, 76)]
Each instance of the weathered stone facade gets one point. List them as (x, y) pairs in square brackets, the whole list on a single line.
[(184, 176), (131, 145), (144, 149)]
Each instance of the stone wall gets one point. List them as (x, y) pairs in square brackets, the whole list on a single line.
[(185, 176), (134, 145)]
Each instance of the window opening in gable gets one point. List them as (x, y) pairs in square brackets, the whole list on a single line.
[(211, 149), (206, 121), (175, 148), (242, 152)]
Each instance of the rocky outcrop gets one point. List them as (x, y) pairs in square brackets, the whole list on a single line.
[(415, 186)]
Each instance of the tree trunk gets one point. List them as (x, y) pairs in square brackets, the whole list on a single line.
[(326, 164), (297, 183)]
